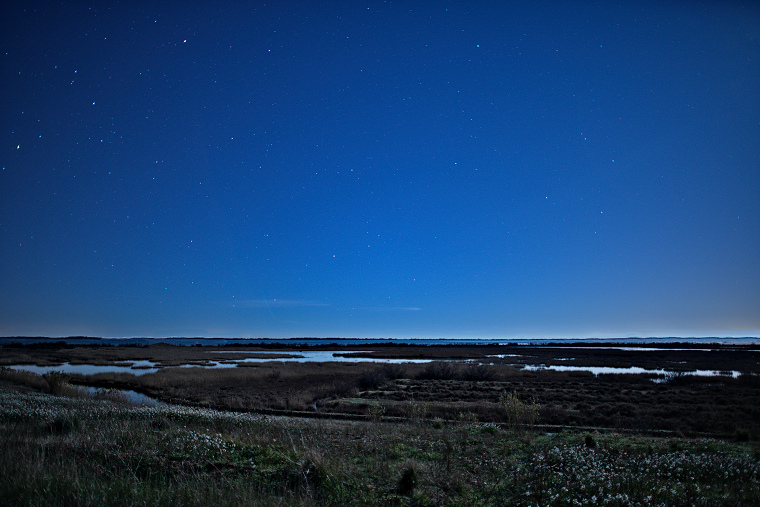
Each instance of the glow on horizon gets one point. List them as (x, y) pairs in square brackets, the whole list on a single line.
[(648, 334)]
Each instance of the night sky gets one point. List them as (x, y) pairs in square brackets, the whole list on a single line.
[(388, 169)]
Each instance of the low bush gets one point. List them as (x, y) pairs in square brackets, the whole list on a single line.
[(519, 414), (64, 424), (375, 412), (408, 481), (741, 435), (23, 377), (416, 411), (372, 379), (440, 370), (478, 373), (57, 381)]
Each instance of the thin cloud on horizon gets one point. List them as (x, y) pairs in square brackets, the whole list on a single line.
[(392, 309), (276, 303)]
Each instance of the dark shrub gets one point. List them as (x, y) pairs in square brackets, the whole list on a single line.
[(439, 370), (62, 425), (407, 482), (57, 381), (394, 371), (749, 380), (372, 379), (741, 435), (479, 373)]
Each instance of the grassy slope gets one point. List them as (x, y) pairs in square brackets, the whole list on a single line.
[(66, 451)]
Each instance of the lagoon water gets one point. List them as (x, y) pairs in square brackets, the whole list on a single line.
[(129, 395), (602, 370), (137, 368), (314, 356), (330, 356), (143, 367)]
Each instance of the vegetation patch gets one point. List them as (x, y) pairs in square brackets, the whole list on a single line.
[(57, 450)]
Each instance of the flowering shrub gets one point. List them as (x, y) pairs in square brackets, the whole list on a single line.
[(578, 475), (18, 407), (82, 449), (204, 445)]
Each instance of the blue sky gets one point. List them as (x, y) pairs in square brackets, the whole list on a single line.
[(380, 169)]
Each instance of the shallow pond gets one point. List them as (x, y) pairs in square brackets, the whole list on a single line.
[(137, 368), (313, 356), (128, 395), (320, 356), (143, 367), (604, 370)]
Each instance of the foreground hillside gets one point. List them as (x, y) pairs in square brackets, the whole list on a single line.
[(59, 450)]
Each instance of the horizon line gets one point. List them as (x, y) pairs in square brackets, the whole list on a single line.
[(188, 337)]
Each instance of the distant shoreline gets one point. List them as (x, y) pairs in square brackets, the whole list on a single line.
[(309, 342)]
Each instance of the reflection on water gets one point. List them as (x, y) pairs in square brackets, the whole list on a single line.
[(600, 370), (316, 356), (127, 395), (130, 396), (143, 367), (137, 368)]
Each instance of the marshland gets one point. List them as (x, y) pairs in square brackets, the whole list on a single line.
[(381, 424)]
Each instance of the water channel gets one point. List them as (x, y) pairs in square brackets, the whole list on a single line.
[(144, 367)]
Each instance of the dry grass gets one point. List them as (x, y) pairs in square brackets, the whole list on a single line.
[(23, 378)]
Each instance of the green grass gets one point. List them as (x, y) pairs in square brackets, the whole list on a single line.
[(77, 451)]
